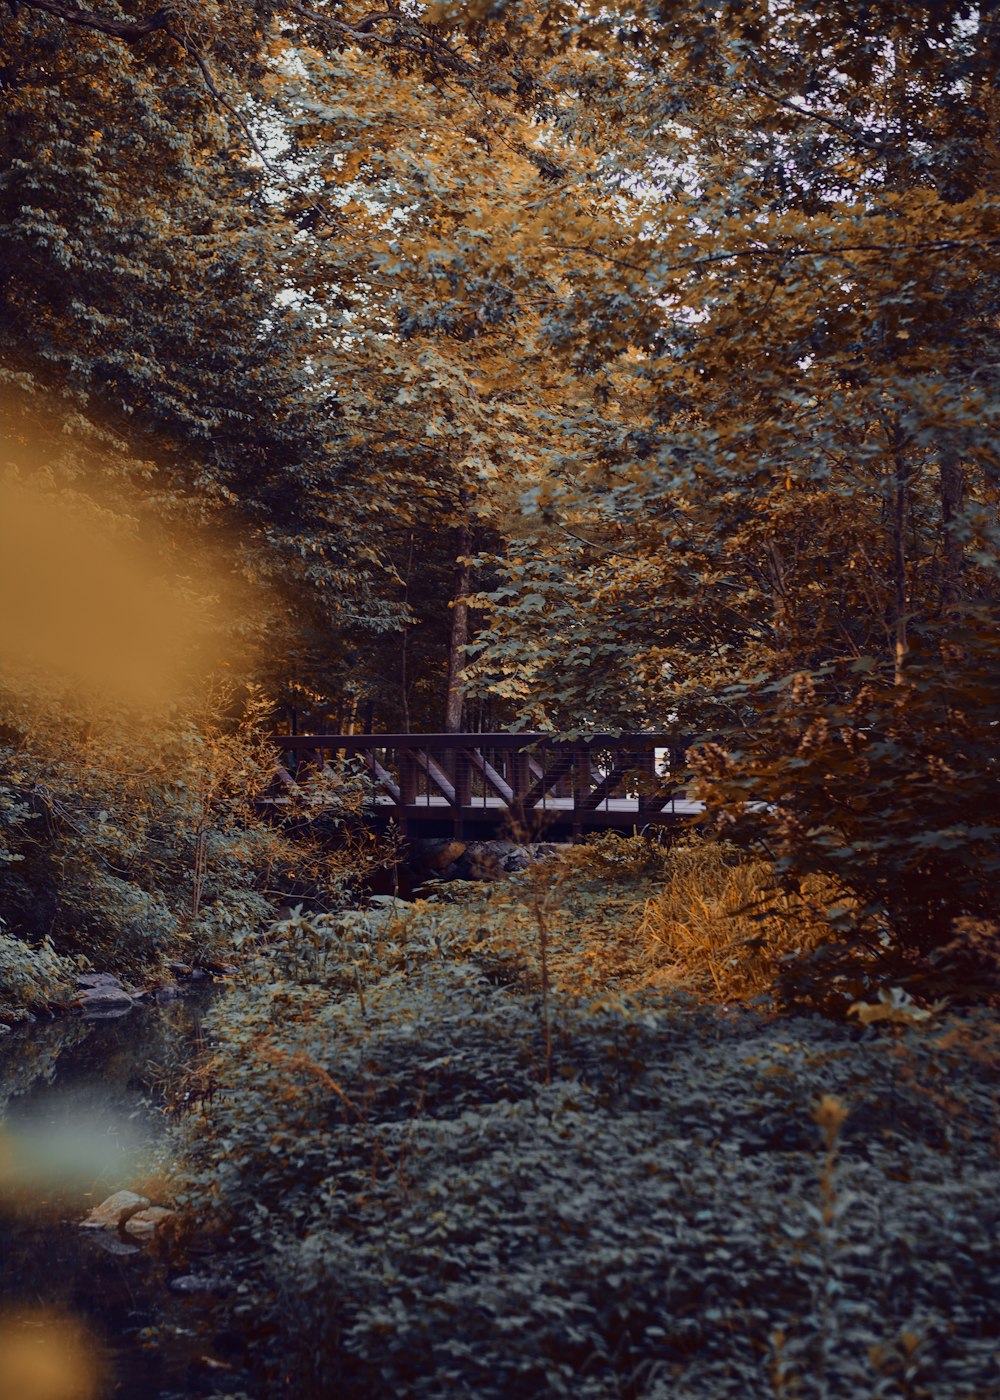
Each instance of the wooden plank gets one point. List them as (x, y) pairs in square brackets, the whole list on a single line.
[(354, 743), (556, 772)]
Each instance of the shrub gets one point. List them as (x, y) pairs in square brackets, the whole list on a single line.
[(884, 784), (31, 976), (126, 847)]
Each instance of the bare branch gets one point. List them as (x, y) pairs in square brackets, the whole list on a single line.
[(223, 101)]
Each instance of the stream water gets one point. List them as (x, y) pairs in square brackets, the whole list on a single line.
[(81, 1116)]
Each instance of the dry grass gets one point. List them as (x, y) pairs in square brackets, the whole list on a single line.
[(720, 924), (618, 915)]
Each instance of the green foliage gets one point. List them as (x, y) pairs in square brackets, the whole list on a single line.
[(126, 848), (406, 1205), (888, 789), (31, 977)]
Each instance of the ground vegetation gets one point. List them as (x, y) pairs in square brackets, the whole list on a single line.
[(480, 1144)]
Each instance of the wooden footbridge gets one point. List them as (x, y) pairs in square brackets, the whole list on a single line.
[(487, 784)]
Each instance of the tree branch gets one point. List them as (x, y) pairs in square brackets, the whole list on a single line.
[(130, 31), (419, 40)]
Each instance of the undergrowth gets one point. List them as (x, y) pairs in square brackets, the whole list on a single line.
[(720, 922), (120, 849), (483, 1145)]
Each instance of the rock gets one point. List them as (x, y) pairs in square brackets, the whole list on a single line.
[(518, 859), (114, 1244), (545, 850), (195, 1283), (219, 969), (145, 1223), (447, 859), (482, 861), (180, 969), (437, 855), (168, 992), (104, 1000), (109, 1214), (96, 979)]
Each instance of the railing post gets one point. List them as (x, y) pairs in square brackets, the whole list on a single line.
[(408, 778), (646, 764), (463, 790), (520, 782), (580, 786)]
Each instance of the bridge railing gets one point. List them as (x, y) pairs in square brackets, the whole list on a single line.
[(526, 783)]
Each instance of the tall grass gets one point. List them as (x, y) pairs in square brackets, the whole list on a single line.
[(721, 924)]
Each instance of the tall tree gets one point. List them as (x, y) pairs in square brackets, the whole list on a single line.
[(791, 300)]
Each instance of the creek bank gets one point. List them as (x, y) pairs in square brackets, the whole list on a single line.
[(104, 996), (84, 1158)]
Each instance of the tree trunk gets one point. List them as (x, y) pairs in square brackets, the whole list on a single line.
[(404, 676), (459, 639), (952, 482), (900, 517)]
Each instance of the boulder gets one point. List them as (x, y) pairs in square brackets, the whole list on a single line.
[(104, 1000), (518, 859), (127, 1213), (482, 860), (96, 979), (448, 859), (145, 1223), (110, 1213), (436, 855)]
